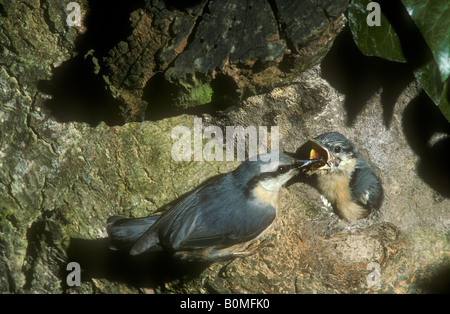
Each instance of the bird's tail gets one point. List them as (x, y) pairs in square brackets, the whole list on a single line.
[(124, 232)]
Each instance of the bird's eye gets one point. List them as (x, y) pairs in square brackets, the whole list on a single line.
[(337, 149), (282, 169)]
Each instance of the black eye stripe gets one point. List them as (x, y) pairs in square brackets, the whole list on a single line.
[(281, 169), (284, 168), (265, 175)]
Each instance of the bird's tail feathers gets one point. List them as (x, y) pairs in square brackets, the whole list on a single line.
[(124, 232)]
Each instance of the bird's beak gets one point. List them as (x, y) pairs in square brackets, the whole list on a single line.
[(318, 152), (310, 164)]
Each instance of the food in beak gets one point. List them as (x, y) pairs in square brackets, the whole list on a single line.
[(311, 164)]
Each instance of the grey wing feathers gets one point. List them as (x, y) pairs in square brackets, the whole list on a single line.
[(212, 216), (182, 212), (365, 185), (124, 232)]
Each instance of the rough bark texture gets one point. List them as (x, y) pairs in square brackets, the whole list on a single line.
[(68, 161), (195, 47)]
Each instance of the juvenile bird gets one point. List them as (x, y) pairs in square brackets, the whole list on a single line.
[(346, 180), (218, 220)]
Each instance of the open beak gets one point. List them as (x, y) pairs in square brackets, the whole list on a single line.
[(318, 152)]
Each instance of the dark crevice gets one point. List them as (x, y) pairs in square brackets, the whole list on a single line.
[(328, 16), (78, 93), (107, 23), (225, 92), (287, 62), (34, 234), (281, 26), (183, 5), (274, 8), (11, 194), (204, 10), (258, 66), (159, 94), (131, 66), (47, 19), (198, 18), (2, 11)]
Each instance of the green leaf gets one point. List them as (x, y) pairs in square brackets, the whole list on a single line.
[(433, 20), (428, 77), (380, 41), (432, 17)]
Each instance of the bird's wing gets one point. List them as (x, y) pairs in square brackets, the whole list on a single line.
[(213, 215), (182, 211), (366, 187), (234, 221)]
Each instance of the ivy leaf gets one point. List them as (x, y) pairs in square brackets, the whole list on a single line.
[(433, 20), (380, 41), (428, 77)]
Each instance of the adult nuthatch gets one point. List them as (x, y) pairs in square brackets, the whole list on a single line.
[(346, 180), (219, 219)]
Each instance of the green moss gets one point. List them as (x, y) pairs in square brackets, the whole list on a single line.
[(198, 95)]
